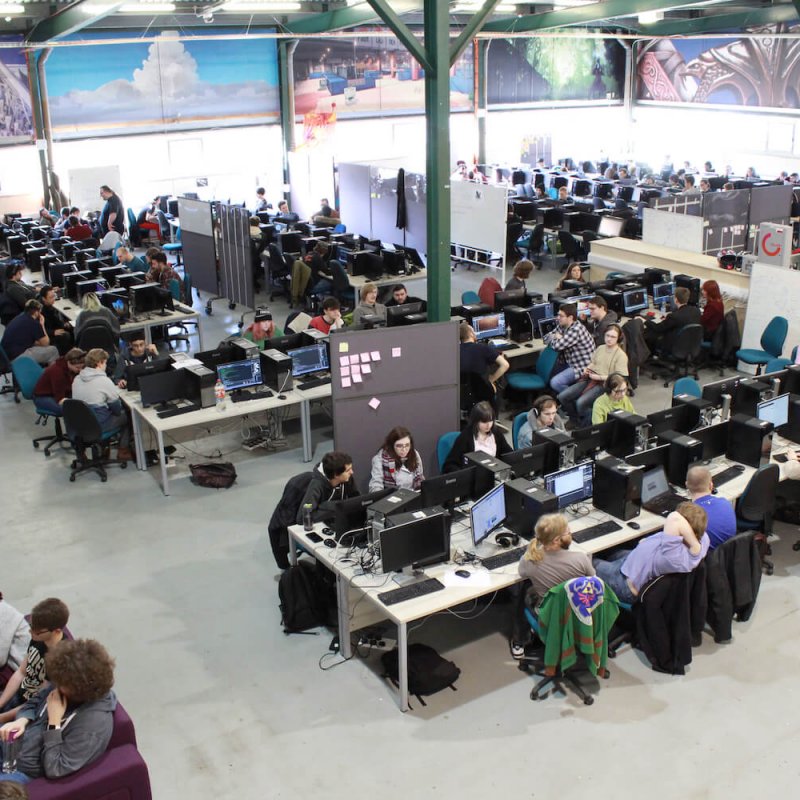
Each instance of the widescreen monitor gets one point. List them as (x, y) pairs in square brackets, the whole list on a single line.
[(415, 544), (539, 311), (713, 391), (488, 513), (663, 292), (528, 461), (85, 287), (634, 300), (546, 326), (146, 297), (307, 360), (653, 456), (714, 439), (449, 489), (135, 371), (514, 297), (489, 326), (594, 438), (775, 410), (395, 315), (117, 302), (351, 514), (572, 485), (677, 418), (161, 387), (240, 374), (610, 226)]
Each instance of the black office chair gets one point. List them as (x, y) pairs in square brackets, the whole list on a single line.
[(755, 507), (97, 333), (342, 290), (513, 232), (473, 389), (85, 433), (536, 244), (9, 381), (280, 275), (570, 247), (683, 356)]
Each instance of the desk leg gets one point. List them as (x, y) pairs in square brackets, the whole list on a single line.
[(305, 428), (138, 441), (162, 458), (343, 595), (293, 551), (148, 335), (199, 332), (402, 657)]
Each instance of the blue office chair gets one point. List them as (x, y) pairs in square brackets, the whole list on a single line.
[(469, 298), (339, 228), (687, 385), (175, 247), (519, 421), (524, 381), (772, 340), (777, 364), (755, 506), (444, 445), (26, 373)]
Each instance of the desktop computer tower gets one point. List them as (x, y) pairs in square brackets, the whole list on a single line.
[(617, 488), (315, 336), (200, 382), (613, 298), (469, 312), (560, 452), (276, 370), (519, 324), (749, 440), (488, 472), (684, 450), (525, 504), (630, 433), (243, 349), (701, 410), (791, 383), (654, 275), (749, 393), (692, 284), (791, 430), (400, 501)]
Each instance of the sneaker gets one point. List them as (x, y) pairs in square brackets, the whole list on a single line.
[(517, 650)]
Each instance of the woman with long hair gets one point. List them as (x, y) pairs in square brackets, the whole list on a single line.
[(397, 465)]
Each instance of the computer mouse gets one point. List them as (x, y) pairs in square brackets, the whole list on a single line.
[(329, 542), (530, 344), (328, 531), (66, 307), (463, 573), (634, 525), (715, 490), (738, 467), (281, 397)]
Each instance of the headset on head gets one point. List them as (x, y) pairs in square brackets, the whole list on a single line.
[(608, 384), (541, 402)]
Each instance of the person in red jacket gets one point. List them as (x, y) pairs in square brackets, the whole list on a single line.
[(55, 383), (714, 310)]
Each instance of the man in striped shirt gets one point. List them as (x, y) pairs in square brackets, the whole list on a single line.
[(574, 345)]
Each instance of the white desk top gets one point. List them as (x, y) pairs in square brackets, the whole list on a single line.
[(181, 312), (357, 281)]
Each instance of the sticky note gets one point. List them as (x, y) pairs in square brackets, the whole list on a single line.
[(376, 355), (374, 403), (344, 347), (345, 383), (364, 358), (344, 360), (365, 368), (354, 359), (397, 352), (345, 370), (357, 378), (355, 369)]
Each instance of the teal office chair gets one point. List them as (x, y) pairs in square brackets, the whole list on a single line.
[(444, 445), (524, 381), (772, 340), (777, 364), (469, 298), (26, 373), (519, 421), (175, 247), (687, 385)]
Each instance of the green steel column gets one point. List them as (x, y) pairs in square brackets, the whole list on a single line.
[(37, 108), (437, 122), (481, 100), (286, 48)]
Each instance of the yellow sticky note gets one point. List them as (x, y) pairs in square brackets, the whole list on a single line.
[(344, 347)]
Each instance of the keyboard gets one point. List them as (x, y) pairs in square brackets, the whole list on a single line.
[(244, 396), (504, 558), (727, 475), (175, 411), (592, 532), (501, 344), (312, 383), (410, 592)]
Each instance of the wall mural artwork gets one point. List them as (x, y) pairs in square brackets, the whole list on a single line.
[(761, 72), (16, 121)]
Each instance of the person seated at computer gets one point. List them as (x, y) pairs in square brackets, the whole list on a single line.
[(539, 193), (261, 199), (573, 272), (397, 465), (131, 262), (481, 434), (62, 222), (564, 196), (148, 219), (708, 169), (25, 336), (98, 391), (522, 271), (284, 216), (661, 335), (728, 186), (326, 214), (55, 383), (17, 291), (56, 322), (680, 547), (79, 231), (262, 329), (94, 310), (329, 318), (369, 304), (460, 173), (674, 183), (255, 229), (705, 186), (400, 297), (134, 351), (574, 345), (578, 400), (332, 480), (599, 319), (689, 187), (161, 270), (46, 218), (721, 522), (713, 310), (543, 414), (751, 174), (614, 398), (321, 280), (480, 359)]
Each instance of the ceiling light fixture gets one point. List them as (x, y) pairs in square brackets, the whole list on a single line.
[(650, 17), (266, 8), (12, 8), (147, 8)]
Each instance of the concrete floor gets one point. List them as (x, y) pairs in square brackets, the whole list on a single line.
[(183, 592)]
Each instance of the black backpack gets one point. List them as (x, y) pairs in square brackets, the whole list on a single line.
[(306, 599), (428, 672)]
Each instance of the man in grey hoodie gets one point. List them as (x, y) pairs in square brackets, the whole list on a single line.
[(69, 724), (93, 386)]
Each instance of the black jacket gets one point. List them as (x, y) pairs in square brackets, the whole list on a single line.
[(664, 333), (733, 577), (465, 443), (284, 515), (319, 493), (636, 348)]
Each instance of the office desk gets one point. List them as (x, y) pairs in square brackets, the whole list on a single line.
[(308, 396), (385, 281)]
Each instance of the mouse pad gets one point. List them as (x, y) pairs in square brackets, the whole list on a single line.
[(477, 577)]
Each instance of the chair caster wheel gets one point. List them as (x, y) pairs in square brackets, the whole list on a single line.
[(666, 384), (231, 306), (770, 570), (72, 479), (587, 701), (103, 479), (123, 465), (796, 546), (612, 654), (36, 445)]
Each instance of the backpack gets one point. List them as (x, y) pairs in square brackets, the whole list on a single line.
[(213, 476), (305, 598), (428, 672)]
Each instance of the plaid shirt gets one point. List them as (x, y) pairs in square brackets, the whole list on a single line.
[(575, 345)]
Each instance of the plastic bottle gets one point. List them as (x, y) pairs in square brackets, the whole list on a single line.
[(219, 394), (10, 750), (308, 522)]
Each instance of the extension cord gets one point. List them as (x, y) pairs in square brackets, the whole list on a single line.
[(254, 443)]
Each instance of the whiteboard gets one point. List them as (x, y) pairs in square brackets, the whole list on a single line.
[(478, 215), (773, 292), (195, 216), (85, 183), (681, 231)]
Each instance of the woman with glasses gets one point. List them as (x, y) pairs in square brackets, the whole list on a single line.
[(481, 434), (397, 465), (614, 398)]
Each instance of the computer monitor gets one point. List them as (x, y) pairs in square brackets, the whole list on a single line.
[(71, 281), (92, 285), (663, 292), (571, 485), (290, 241), (528, 461), (610, 226), (291, 341), (513, 297), (634, 300), (583, 305), (146, 297), (128, 279), (677, 418), (224, 354), (775, 411), (593, 439), (488, 513), (240, 374), (59, 270), (351, 514), (714, 439), (135, 371), (395, 315), (489, 326), (415, 544), (605, 191), (161, 387), (539, 311), (625, 193), (449, 489), (116, 301), (307, 360), (713, 391), (651, 457), (412, 255)]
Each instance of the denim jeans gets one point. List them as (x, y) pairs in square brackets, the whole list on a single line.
[(49, 404), (563, 379), (578, 403), (610, 572)]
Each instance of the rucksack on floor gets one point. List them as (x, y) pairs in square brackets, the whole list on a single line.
[(428, 672), (305, 598)]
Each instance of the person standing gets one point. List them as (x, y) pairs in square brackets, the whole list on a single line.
[(112, 217)]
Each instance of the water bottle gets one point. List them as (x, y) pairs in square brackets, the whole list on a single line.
[(219, 394), (10, 751), (308, 523)]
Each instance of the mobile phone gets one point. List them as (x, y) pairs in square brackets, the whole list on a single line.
[(314, 537), (781, 457)]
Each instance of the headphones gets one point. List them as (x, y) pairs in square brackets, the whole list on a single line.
[(541, 402), (507, 540), (608, 386)]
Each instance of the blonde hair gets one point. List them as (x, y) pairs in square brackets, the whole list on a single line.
[(96, 356), (698, 479), (695, 516), (90, 302), (548, 529), (366, 289)]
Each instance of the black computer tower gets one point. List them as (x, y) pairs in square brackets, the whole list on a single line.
[(560, 452), (749, 440), (200, 383), (276, 370), (472, 310), (791, 383), (629, 432), (519, 324), (525, 504), (617, 488), (613, 299), (654, 275), (692, 284), (749, 393), (488, 471), (791, 430), (701, 410), (684, 450)]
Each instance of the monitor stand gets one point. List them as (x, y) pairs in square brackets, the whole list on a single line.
[(408, 576), (488, 547)]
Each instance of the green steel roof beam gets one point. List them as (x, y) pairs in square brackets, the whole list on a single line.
[(71, 20), (402, 32), (722, 22), (343, 18), (583, 15), (472, 27)]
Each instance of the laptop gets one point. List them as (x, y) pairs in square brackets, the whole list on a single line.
[(547, 325), (657, 496)]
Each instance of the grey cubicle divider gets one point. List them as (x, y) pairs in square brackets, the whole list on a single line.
[(236, 265), (414, 383), (197, 238), (354, 201)]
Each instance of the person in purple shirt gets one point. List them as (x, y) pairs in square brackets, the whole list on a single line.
[(680, 547), (721, 523)]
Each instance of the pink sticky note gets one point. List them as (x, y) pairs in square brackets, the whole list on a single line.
[(357, 378), (355, 369), (354, 359), (345, 370), (365, 368), (376, 355), (364, 358), (344, 360), (345, 383), (397, 352), (374, 403)]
